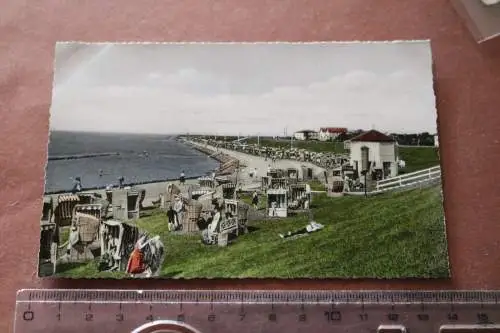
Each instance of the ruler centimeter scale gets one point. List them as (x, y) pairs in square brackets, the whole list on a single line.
[(245, 311)]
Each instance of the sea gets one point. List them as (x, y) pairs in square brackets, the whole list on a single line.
[(100, 159)]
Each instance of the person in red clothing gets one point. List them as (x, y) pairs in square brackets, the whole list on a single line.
[(136, 263)]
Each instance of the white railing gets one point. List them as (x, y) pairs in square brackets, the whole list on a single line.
[(405, 182), (409, 179)]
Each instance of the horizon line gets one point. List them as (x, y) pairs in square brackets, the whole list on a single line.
[(234, 134)]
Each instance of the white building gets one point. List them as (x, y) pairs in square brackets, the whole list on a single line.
[(330, 133), (436, 141), (381, 150), (305, 135)]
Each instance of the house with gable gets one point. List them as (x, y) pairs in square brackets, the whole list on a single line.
[(375, 152)]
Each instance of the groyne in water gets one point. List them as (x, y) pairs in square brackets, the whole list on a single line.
[(79, 156)]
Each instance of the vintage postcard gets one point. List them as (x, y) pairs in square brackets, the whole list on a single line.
[(243, 160)]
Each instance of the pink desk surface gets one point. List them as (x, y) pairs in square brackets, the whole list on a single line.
[(467, 88)]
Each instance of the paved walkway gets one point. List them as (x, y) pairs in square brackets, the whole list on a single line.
[(253, 162)]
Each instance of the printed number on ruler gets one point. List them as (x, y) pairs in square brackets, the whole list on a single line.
[(256, 311)]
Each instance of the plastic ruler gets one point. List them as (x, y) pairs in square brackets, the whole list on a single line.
[(223, 311)]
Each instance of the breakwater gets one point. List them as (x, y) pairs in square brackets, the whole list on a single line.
[(228, 164), (79, 156), (218, 156)]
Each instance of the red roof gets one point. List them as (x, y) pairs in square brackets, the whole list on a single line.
[(373, 136), (333, 129)]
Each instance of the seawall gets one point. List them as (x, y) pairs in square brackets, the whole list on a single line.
[(221, 157)]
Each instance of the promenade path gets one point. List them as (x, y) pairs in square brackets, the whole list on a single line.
[(259, 163)]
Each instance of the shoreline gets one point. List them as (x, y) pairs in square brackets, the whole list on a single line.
[(247, 162), (134, 184), (153, 190), (157, 186)]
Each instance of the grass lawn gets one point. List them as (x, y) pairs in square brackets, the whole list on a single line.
[(418, 158), (393, 235), (247, 198), (316, 185)]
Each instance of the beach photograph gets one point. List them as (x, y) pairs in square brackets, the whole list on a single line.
[(243, 160)]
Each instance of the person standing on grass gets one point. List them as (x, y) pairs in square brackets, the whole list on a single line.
[(255, 199), (172, 219), (273, 208), (179, 210)]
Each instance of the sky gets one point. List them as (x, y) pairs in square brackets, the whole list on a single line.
[(243, 88)]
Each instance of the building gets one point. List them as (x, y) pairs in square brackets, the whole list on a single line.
[(374, 151), (330, 133), (306, 135), (436, 141)]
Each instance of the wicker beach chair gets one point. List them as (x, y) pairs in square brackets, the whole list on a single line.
[(96, 210), (117, 240), (126, 204), (228, 190), (63, 212), (88, 227), (47, 255), (191, 217), (47, 210)]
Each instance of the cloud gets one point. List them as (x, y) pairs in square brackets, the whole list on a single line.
[(189, 100)]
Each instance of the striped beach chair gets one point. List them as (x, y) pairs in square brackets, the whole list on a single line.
[(63, 213), (117, 240), (228, 190), (96, 210)]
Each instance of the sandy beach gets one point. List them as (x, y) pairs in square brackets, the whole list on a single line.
[(251, 162), (153, 190), (260, 164)]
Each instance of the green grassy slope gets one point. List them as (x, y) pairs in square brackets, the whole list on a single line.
[(418, 158), (386, 236)]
